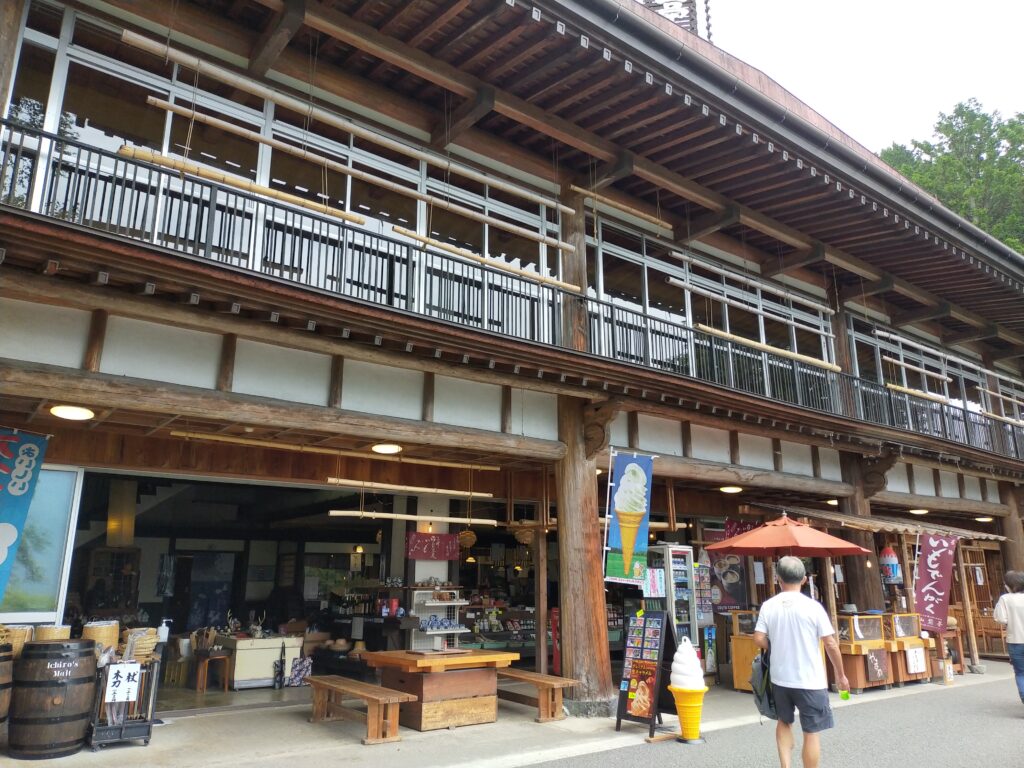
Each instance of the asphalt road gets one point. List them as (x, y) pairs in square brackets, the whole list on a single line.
[(979, 726)]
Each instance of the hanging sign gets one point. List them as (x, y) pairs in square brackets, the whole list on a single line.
[(21, 459), (122, 682), (934, 579), (629, 519), (431, 546)]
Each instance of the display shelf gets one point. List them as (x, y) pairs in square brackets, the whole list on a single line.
[(449, 631), (435, 603), (425, 604), (680, 602)]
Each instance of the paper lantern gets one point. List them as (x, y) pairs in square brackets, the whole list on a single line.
[(467, 539), (524, 536)]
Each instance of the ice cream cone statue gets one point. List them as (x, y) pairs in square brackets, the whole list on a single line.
[(630, 509), (688, 689)]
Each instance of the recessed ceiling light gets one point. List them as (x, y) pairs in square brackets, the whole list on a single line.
[(72, 412), (918, 511), (985, 519), (731, 489), (470, 559), (386, 448), (359, 549), (833, 502)]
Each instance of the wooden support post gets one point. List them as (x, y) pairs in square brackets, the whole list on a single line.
[(11, 14), (972, 640), (337, 381), (670, 492), (94, 344), (540, 588), (864, 584), (830, 591), (226, 367), (1013, 548), (908, 574)]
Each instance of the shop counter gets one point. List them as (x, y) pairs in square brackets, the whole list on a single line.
[(252, 661), (743, 651)]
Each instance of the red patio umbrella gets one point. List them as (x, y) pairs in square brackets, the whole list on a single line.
[(784, 536)]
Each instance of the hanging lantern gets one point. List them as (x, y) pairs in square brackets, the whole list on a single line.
[(467, 539)]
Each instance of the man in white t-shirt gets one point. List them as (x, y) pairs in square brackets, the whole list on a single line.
[(792, 625)]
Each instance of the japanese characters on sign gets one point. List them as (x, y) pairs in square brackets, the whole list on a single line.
[(934, 579), (431, 546), (21, 459), (122, 683)]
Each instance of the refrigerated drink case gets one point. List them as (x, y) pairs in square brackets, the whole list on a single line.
[(681, 599)]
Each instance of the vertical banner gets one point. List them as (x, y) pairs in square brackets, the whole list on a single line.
[(934, 579), (21, 459), (629, 518)]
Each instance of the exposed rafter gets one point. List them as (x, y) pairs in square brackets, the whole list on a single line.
[(705, 225), (465, 116), (276, 36), (860, 291), (923, 315), (980, 334), (801, 258), (608, 173)]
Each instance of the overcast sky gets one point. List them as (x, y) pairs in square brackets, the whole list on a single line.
[(880, 71)]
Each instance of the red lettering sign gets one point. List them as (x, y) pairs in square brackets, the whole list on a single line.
[(934, 580), (431, 546)]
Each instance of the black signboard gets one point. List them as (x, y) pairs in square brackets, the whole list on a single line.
[(649, 648)]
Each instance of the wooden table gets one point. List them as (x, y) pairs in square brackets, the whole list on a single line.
[(452, 689)]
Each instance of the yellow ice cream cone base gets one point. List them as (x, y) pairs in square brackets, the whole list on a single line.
[(629, 524), (689, 706)]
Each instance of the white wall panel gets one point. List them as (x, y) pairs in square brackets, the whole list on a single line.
[(756, 451), (993, 489), (924, 483), (161, 353), (948, 484), (661, 436), (796, 459), (896, 478), (372, 388), (709, 443), (39, 333), (972, 488), (830, 467), (620, 430), (535, 414), (467, 403), (285, 374)]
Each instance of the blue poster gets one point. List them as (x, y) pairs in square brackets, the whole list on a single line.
[(629, 519), (21, 459)]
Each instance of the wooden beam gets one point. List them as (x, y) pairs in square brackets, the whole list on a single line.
[(796, 260), (105, 391), (936, 504), (276, 36), (1009, 354), (913, 317), (702, 226), (466, 115), (860, 291), (607, 173)]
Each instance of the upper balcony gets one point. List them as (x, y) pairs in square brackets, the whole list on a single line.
[(97, 190)]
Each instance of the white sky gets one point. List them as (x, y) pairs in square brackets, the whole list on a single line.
[(880, 71)]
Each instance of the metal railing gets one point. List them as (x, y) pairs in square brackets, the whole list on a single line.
[(92, 188)]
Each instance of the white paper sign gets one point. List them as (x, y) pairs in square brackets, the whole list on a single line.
[(122, 682), (915, 660), (758, 572), (654, 583)]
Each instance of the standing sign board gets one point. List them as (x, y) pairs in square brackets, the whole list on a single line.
[(643, 692), (628, 519)]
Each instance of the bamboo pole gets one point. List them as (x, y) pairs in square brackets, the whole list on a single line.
[(917, 393), (462, 252), (317, 449), (1001, 397), (183, 166), (254, 88), (747, 307), (369, 178), (612, 203), (769, 348), (361, 514), (1007, 419), (972, 640), (909, 367)]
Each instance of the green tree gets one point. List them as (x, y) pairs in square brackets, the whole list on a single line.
[(974, 164)]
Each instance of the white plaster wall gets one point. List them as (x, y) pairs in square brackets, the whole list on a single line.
[(431, 504), (709, 443), (756, 451), (972, 488), (467, 403), (149, 566), (161, 353), (830, 467), (896, 478), (285, 374), (535, 414), (620, 430), (39, 333), (372, 388), (924, 483), (993, 489), (660, 436), (796, 459), (948, 485)]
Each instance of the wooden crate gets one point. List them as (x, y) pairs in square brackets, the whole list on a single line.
[(441, 686), (434, 715)]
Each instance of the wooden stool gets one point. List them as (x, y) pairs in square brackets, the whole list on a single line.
[(203, 662)]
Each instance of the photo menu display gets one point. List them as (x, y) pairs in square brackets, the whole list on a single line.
[(640, 671)]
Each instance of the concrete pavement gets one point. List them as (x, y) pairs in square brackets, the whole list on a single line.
[(280, 736)]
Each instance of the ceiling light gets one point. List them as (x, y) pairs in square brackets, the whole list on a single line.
[(470, 559), (869, 564), (72, 412), (731, 489), (985, 519), (386, 448), (600, 471), (518, 568), (833, 502), (918, 511), (359, 549)]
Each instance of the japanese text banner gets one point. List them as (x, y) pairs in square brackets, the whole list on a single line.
[(21, 459), (934, 580)]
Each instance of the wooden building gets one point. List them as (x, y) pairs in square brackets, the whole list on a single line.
[(257, 237)]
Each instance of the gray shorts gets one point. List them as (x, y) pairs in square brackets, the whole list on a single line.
[(815, 711)]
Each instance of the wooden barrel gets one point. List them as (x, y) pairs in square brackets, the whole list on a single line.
[(52, 699), (6, 670)]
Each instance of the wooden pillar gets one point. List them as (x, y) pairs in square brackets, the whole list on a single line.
[(1010, 527), (540, 588), (11, 13), (908, 574), (965, 590), (864, 582), (830, 591)]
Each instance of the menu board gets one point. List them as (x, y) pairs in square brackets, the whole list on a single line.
[(647, 635), (702, 577)]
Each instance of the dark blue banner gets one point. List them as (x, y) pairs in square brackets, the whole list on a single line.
[(21, 459)]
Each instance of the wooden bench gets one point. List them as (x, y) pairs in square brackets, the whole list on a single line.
[(381, 716), (549, 692)]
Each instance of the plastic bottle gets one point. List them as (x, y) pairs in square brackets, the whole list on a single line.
[(163, 631)]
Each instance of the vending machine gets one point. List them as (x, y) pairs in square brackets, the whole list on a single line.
[(680, 601)]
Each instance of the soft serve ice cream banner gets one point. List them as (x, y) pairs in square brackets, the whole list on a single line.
[(629, 510)]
